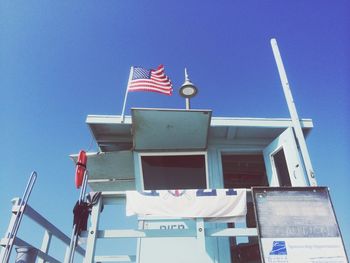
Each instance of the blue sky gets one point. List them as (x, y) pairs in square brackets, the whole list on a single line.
[(63, 60)]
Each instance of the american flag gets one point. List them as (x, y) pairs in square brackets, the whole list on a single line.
[(153, 80)]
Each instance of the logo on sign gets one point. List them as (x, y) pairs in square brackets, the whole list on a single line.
[(278, 248), (278, 252)]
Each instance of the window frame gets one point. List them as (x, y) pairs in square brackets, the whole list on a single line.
[(173, 154)]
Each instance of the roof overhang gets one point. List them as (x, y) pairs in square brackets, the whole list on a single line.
[(159, 129), (253, 128), (111, 132)]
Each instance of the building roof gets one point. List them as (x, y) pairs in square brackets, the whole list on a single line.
[(174, 129)]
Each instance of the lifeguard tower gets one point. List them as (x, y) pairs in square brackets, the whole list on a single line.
[(162, 149), (160, 156), (163, 153)]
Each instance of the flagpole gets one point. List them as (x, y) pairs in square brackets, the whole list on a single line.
[(294, 115), (126, 93)]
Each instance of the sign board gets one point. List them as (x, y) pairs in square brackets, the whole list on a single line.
[(297, 224)]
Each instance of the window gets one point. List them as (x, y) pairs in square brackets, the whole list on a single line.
[(162, 172), (243, 170)]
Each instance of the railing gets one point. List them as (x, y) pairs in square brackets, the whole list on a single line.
[(50, 231), (199, 231)]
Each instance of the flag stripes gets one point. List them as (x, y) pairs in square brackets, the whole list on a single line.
[(153, 80)]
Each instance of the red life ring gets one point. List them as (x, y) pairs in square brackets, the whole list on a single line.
[(80, 169)]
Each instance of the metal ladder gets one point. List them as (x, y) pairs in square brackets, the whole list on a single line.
[(13, 229)]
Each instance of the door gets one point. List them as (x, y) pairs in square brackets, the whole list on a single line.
[(282, 161)]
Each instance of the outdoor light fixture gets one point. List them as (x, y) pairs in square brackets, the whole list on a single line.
[(188, 90)]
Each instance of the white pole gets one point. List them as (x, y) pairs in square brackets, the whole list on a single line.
[(293, 113), (126, 93), (188, 105), (187, 79)]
